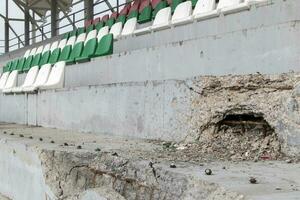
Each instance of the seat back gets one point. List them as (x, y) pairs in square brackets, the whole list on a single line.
[(55, 45), (39, 50), (3, 79), (163, 16), (154, 3), (80, 38), (71, 41), (105, 46), (97, 20), (129, 26), (46, 48), (143, 5), (91, 35), (31, 76), (32, 52), (105, 18), (56, 76), (227, 3), (116, 30), (43, 75), (11, 80), (27, 53), (203, 6), (103, 31), (183, 10)]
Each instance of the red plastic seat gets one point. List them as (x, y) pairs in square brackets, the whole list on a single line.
[(155, 2), (97, 20), (114, 15), (144, 4), (135, 6), (88, 23), (125, 9), (105, 18), (169, 2)]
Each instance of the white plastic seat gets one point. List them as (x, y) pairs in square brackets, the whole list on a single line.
[(11, 82), (71, 41), (62, 43), (232, 6), (41, 79), (39, 50), (116, 30), (129, 27), (161, 21), (54, 46), (102, 32), (29, 80), (3, 79), (32, 52), (56, 77), (80, 38), (182, 13), (91, 35), (27, 53), (46, 48), (205, 9)]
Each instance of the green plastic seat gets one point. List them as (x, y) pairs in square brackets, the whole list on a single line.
[(7, 67), (21, 64), (80, 30), (45, 58), (14, 65), (88, 51), (73, 33), (76, 53), (158, 7), (105, 46), (194, 2), (90, 28), (121, 18), (174, 4), (27, 64), (110, 22), (99, 25), (36, 60), (145, 15), (54, 56), (133, 14), (65, 53), (66, 35)]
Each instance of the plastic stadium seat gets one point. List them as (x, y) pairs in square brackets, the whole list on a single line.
[(7, 66), (97, 20), (161, 21), (46, 48), (11, 82), (145, 12), (105, 18), (27, 64), (66, 35), (205, 9), (80, 30), (54, 45), (87, 23), (41, 79), (129, 27), (232, 6), (14, 65), (116, 30), (182, 13), (36, 60), (90, 28), (21, 64), (103, 31), (77, 49), (65, 49), (27, 53), (39, 50), (123, 13), (56, 77), (105, 46), (174, 4), (134, 10), (29, 80), (32, 52), (157, 6), (112, 19), (99, 26), (3, 79), (45, 58), (90, 46), (73, 33), (54, 56)]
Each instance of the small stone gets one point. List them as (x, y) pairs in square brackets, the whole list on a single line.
[(289, 161), (277, 188), (114, 154), (151, 164), (4, 132), (52, 141), (41, 139), (208, 172), (66, 144), (97, 149), (21, 135), (12, 134), (223, 167), (30, 137), (172, 165), (252, 180), (79, 147)]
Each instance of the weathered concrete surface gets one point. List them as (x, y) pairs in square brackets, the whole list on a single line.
[(134, 169)]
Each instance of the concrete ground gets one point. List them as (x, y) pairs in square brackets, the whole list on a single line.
[(276, 180)]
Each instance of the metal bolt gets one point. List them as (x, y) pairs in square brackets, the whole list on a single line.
[(208, 172)]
